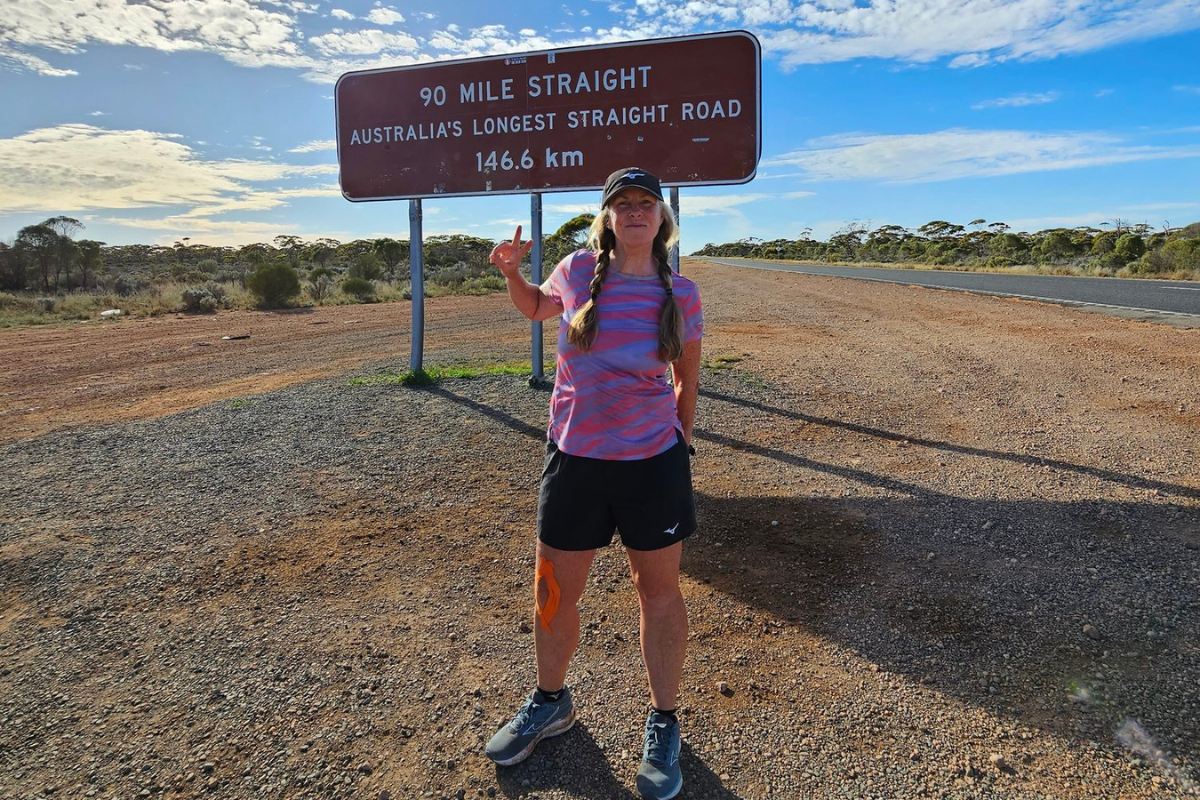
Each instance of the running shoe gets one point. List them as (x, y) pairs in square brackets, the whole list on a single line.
[(660, 777), (536, 720)]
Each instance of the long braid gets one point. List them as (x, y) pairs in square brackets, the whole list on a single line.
[(670, 318), (582, 331)]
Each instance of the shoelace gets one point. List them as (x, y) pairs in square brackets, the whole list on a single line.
[(523, 716), (658, 742)]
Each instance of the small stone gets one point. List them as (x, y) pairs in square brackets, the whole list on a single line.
[(385, 795), (1090, 631), (724, 689), (774, 523), (525, 628), (365, 768), (997, 760)]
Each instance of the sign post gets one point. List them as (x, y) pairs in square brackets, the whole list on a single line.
[(535, 275), (416, 275)]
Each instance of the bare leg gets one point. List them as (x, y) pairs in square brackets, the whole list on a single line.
[(556, 630), (664, 620)]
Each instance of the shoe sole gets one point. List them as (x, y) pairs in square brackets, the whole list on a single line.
[(557, 729)]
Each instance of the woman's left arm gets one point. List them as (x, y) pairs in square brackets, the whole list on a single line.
[(685, 372)]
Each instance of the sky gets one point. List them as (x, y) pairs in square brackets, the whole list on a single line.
[(156, 120)]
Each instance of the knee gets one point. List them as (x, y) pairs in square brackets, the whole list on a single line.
[(658, 595)]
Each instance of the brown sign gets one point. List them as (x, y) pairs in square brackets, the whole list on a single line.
[(687, 109)]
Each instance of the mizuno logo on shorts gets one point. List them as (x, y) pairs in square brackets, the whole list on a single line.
[(672, 530)]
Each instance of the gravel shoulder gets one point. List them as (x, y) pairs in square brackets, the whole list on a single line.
[(949, 547)]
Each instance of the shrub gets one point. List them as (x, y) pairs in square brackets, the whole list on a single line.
[(203, 299), (273, 284), (317, 273), (366, 267), (127, 285), (208, 266), (1182, 254), (1000, 262), (321, 288), (1130, 247), (359, 287)]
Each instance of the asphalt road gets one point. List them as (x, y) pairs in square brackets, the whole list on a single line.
[(1139, 299)]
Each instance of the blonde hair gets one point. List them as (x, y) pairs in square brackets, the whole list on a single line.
[(602, 241)]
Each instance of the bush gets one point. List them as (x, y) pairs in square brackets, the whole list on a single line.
[(321, 288), (128, 285), (196, 300), (273, 284), (1130, 247), (317, 273), (208, 266), (1000, 262), (1182, 254), (359, 287), (367, 267), (203, 299)]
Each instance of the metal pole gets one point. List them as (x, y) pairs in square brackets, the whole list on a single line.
[(535, 273), (675, 208), (416, 261)]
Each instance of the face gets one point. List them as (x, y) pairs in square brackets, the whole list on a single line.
[(634, 217)]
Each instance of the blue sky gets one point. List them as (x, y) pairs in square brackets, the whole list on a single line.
[(214, 119)]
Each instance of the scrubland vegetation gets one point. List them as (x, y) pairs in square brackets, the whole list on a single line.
[(48, 274), (1117, 249)]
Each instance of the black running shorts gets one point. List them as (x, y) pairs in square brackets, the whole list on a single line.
[(584, 500)]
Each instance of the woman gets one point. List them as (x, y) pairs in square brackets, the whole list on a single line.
[(617, 456)]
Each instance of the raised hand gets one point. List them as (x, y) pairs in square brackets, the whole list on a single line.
[(507, 255)]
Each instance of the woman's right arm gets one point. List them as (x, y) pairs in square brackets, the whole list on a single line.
[(531, 300)]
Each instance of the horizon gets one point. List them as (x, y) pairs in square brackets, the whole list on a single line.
[(213, 120)]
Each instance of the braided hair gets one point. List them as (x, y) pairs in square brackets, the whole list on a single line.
[(602, 241)]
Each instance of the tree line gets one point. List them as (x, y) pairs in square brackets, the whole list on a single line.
[(1115, 248), (47, 258)]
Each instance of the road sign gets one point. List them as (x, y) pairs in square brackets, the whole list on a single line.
[(686, 108)]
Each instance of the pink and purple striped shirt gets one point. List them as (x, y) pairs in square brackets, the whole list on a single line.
[(614, 402)]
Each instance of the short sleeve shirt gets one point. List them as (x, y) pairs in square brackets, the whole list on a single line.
[(614, 402)]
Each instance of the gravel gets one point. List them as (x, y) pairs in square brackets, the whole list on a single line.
[(323, 591)]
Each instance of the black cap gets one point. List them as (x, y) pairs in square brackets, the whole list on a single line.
[(627, 177)]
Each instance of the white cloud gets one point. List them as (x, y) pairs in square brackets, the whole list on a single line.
[(960, 153), (1018, 100), (257, 33), (242, 31), (385, 16), (707, 205), (1188, 89), (79, 167), (99, 114), (364, 43), (798, 195), (315, 146)]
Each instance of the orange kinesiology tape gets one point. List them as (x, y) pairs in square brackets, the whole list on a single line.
[(545, 574)]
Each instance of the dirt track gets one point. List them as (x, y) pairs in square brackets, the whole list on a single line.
[(912, 504)]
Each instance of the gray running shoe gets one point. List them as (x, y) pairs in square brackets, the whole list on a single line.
[(660, 777), (535, 721)]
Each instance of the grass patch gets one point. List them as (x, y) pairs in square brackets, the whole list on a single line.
[(720, 362), (458, 370)]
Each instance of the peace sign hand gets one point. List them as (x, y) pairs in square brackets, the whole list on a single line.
[(507, 255)]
